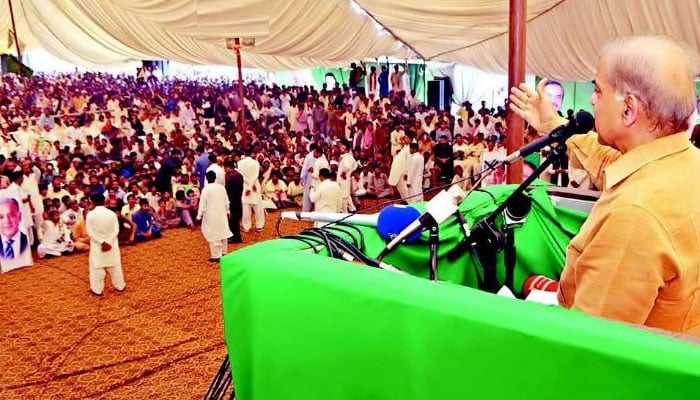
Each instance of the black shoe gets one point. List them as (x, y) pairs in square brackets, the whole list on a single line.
[(213, 260), (95, 294), (235, 240)]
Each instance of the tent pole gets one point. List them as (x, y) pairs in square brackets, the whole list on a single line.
[(425, 84), (14, 31), (241, 96), (516, 75)]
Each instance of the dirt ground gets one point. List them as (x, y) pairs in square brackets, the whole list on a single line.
[(162, 338)]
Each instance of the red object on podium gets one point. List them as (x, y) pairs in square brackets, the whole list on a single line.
[(541, 283)]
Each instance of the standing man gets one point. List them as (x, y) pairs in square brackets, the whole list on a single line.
[(103, 228), (372, 81), (414, 183), (213, 205), (345, 167), (636, 258), (201, 165), (327, 196), (234, 190), (397, 78), (399, 166), (320, 118), (307, 169), (383, 80), (252, 193), (218, 170)]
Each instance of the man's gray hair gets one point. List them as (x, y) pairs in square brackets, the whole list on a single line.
[(638, 65)]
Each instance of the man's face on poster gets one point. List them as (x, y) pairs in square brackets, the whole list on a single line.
[(10, 218), (556, 94)]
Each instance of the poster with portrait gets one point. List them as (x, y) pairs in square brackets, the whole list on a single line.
[(15, 220)]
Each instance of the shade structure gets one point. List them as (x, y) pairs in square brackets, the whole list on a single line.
[(564, 36)]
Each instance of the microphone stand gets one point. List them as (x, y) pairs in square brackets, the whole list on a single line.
[(489, 240), (433, 241)]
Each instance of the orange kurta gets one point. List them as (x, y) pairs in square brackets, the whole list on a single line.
[(637, 257)]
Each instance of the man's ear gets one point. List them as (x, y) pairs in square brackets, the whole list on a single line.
[(631, 110)]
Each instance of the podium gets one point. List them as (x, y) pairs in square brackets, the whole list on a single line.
[(300, 325)]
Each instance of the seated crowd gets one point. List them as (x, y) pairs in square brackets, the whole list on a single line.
[(148, 145)]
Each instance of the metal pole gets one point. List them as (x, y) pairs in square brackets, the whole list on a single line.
[(516, 75), (241, 96), (14, 31)]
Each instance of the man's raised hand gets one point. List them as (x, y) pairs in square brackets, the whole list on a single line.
[(535, 107)]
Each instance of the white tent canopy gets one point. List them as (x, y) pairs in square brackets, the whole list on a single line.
[(563, 35)]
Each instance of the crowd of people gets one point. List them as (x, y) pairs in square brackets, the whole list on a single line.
[(146, 145)]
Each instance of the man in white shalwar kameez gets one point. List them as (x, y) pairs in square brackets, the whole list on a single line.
[(213, 206), (218, 169), (102, 226), (414, 183), (327, 196), (252, 194), (56, 237), (345, 168), (319, 163), (307, 176), (399, 168)]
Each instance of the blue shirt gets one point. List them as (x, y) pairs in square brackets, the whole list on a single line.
[(200, 167), (143, 220)]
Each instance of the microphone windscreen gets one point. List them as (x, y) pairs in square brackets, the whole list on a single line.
[(395, 218)]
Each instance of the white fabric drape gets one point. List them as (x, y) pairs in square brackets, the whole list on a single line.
[(291, 34), (564, 36), (439, 27), (472, 84)]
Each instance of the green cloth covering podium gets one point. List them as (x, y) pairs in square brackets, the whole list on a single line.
[(300, 325)]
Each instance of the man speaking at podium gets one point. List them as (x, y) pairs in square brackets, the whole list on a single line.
[(637, 257)]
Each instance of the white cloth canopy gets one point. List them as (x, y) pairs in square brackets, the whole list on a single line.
[(290, 34), (564, 36)]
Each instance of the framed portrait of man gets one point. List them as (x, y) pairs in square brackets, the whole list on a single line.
[(15, 251)]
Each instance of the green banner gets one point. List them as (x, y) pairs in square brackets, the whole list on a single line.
[(303, 326)]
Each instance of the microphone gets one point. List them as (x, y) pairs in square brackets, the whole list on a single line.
[(437, 210), (517, 209), (393, 219), (583, 122)]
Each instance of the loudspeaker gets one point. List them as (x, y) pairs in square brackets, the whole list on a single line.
[(440, 93)]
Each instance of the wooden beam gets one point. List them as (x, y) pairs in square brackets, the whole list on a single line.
[(241, 97), (14, 31), (516, 74)]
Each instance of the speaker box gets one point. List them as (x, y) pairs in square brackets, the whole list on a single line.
[(440, 93)]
